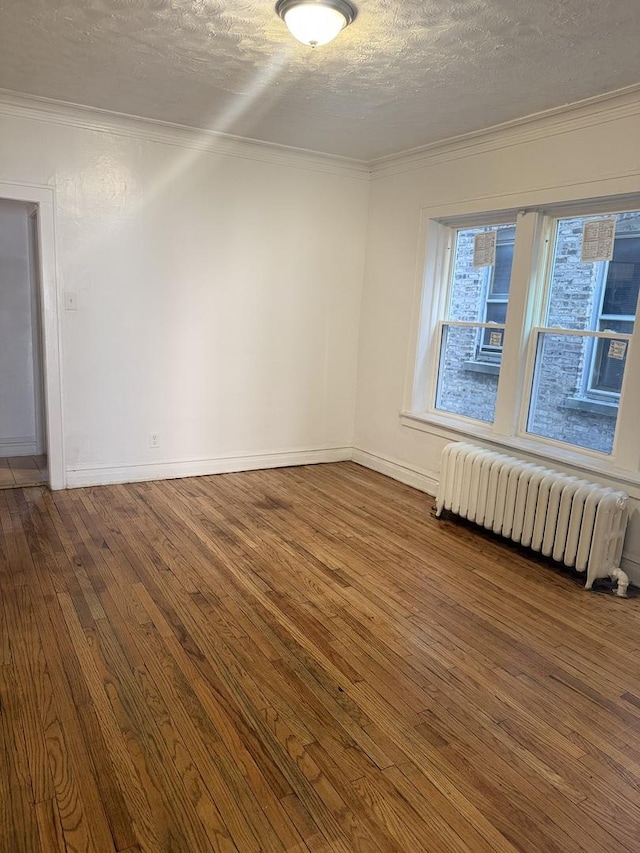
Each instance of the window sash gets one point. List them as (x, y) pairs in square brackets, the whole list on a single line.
[(438, 390), (534, 345)]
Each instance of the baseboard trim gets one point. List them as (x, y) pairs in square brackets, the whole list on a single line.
[(112, 474), (407, 474), (20, 445), (631, 565)]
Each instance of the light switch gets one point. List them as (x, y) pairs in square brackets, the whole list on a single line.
[(70, 300)]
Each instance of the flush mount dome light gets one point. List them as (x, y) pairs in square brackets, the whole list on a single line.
[(315, 22)]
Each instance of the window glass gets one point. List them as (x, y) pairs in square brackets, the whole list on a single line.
[(469, 363), (578, 378), (461, 390), (472, 286), (580, 293), (557, 410)]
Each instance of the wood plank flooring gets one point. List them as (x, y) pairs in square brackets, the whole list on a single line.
[(19, 471), (305, 660)]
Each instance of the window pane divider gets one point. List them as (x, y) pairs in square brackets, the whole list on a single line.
[(521, 312)]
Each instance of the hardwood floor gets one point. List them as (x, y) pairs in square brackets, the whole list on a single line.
[(19, 471), (303, 659)]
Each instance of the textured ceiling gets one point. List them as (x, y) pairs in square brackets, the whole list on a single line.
[(404, 74)]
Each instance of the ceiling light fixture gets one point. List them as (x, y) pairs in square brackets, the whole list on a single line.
[(315, 22)]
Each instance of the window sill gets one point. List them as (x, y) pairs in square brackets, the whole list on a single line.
[(593, 407), (537, 451), (482, 367)]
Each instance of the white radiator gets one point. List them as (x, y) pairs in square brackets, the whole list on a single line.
[(568, 519)]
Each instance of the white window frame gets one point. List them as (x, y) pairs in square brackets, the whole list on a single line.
[(531, 263)]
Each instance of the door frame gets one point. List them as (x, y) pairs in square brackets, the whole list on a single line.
[(44, 199), (36, 333)]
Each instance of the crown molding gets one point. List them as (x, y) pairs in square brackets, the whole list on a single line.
[(619, 104), (610, 106), (167, 133)]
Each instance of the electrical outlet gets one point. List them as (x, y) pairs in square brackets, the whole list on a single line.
[(154, 439)]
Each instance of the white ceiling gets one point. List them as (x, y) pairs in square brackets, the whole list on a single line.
[(406, 73)]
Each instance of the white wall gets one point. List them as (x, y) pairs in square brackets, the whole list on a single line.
[(589, 152), (218, 295), (17, 392)]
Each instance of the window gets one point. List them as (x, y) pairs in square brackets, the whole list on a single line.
[(574, 372), (550, 369), (476, 314)]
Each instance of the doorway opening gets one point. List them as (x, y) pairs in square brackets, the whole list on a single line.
[(23, 434), (31, 422)]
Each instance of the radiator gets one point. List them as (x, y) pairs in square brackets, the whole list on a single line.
[(573, 521)]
